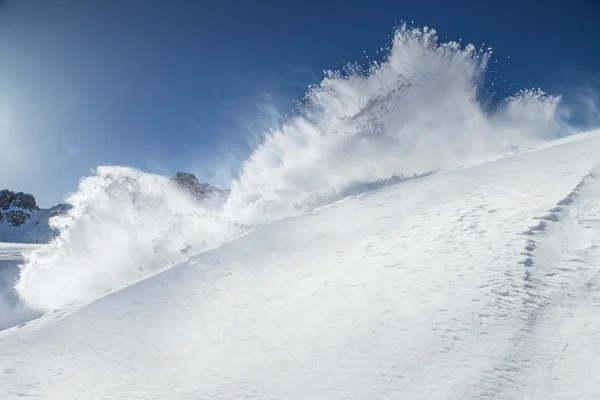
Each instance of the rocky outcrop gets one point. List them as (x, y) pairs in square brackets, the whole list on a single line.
[(21, 220), (10, 199), (202, 192), (24, 201), (6, 198), (16, 208), (16, 217)]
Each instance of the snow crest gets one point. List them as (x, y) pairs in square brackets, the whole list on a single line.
[(415, 111)]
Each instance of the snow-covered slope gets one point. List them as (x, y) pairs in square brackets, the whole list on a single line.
[(34, 227), (471, 283)]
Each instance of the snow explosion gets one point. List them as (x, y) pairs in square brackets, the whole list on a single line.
[(412, 112)]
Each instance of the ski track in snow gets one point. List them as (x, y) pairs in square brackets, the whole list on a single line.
[(477, 283), (544, 273), (565, 278)]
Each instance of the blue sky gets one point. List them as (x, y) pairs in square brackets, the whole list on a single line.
[(167, 86)]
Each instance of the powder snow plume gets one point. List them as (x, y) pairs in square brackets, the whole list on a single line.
[(412, 112), (124, 224)]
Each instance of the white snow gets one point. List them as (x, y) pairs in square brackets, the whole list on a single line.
[(124, 225), (415, 111), (433, 288)]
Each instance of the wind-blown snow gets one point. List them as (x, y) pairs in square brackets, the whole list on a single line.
[(124, 224), (415, 111), (416, 290)]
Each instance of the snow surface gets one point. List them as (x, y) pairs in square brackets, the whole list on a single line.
[(473, 283)]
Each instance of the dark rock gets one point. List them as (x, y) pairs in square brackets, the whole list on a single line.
[(6, 198), (24, 201), (200, 191), (16, 217), (185, 180)]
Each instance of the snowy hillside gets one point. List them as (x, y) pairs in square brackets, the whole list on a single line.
[(22, 221), (35, 229), (474, 283)]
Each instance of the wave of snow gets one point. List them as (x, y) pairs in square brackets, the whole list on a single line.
[(415, 111), (124, 224)]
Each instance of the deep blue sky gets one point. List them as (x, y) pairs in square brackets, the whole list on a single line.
[(174, 85)]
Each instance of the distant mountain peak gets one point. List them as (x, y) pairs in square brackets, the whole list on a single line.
[(21, 220), (10, 199), (200, 191), (185, 179)]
